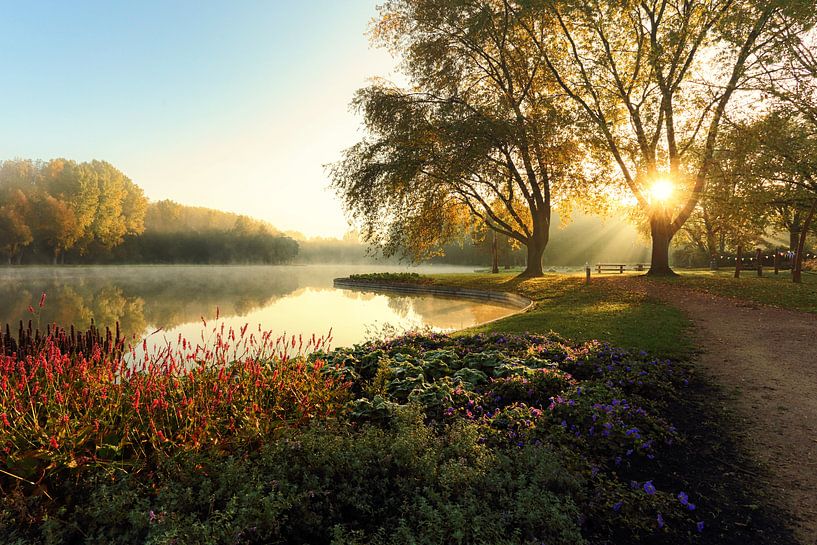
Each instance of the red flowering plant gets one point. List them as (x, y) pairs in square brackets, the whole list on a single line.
[(121, 409)]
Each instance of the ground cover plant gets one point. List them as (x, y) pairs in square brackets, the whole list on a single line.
[(418, 439), (394, 278)]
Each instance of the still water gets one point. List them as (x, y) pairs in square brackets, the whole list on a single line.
[(282, 299)]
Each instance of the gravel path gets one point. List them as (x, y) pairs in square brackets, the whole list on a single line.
[(767, 359)]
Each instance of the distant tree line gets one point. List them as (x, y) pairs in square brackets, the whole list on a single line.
[(62, 211)]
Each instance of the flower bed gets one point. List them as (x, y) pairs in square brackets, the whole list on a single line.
[(418, 439)]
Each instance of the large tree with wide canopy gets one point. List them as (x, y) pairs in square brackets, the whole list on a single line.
[(479, 134)]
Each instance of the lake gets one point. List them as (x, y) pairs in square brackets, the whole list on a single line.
[(288, 299)]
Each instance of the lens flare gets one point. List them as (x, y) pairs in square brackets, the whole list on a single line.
[(661, 190)]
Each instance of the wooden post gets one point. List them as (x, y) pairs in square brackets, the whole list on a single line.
[(759, 262), (776, 262), (587, 273)]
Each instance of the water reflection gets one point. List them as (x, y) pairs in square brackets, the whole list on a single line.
[(295, 299)]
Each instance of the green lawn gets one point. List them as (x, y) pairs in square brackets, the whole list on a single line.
[(564, 304), (776, 290)]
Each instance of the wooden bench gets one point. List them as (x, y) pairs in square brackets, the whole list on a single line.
[(619, 267)]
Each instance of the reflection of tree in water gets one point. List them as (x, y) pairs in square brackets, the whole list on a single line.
[(352, 293), (168, 296), (74, 305), (139, 297), (401, 306)]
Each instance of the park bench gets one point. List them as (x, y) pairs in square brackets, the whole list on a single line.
[(619, 267)]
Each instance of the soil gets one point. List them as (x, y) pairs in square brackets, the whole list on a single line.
[(758, 366)]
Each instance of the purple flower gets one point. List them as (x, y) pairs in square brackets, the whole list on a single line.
[(691, 506), (617, 506), (660, 520), (683, 498), (649, 488), (700, 526)]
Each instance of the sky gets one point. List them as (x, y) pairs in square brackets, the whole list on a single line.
[(235, 105)]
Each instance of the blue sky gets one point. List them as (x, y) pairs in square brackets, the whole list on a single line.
[(234, 105)]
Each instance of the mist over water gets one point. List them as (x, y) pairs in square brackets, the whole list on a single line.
[(174, 299)]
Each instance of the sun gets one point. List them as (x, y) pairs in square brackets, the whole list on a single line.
[(661, 190)]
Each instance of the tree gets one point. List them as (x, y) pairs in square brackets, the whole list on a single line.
[(55, 224), (734, 208), (479, 137), (76, 186), (787, 162), (654, 78), (15, 233), (18, 180)]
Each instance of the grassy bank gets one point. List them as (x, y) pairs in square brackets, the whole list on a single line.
[(770, 289), (566, 305)]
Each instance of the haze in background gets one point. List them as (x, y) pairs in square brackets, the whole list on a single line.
[(230, 105)]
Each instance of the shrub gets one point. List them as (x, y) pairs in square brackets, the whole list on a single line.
[(400, 484), (392, 278)]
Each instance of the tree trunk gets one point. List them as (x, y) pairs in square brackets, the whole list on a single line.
[(797, 269), (738, 261), (536, 249), (494, 255), (661, 232), (536, 244), (794, 238)]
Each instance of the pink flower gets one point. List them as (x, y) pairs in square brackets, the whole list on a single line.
[(53, 442), (42, 300)]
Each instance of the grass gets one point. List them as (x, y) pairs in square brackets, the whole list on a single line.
[(566, 305), (770, 289)]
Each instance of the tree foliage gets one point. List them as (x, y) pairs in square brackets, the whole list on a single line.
[(655, 78), (62, 205), (478, 137), (91, 212)]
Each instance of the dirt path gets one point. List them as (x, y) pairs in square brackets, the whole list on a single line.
[(767, 359)]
